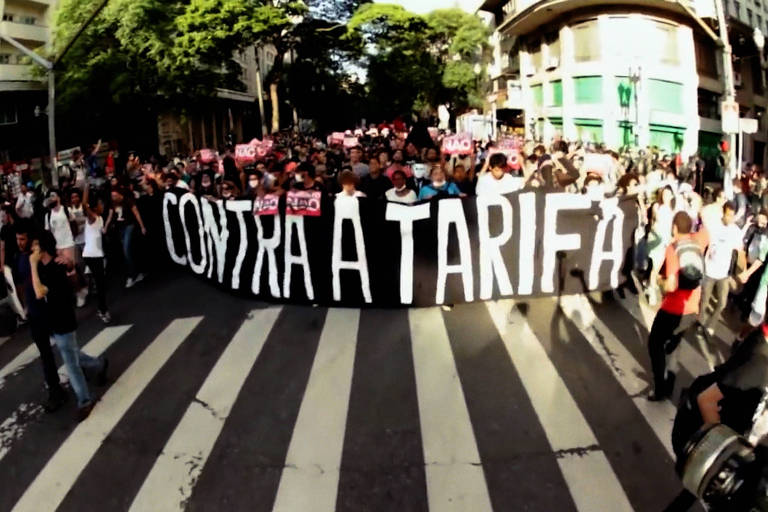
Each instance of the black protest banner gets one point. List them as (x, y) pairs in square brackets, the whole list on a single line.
[(367, 252)]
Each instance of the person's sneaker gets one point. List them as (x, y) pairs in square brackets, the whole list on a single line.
[(105, 317), (55, 400), (129, 282), (84, 411), (139, 278), (101, 378)]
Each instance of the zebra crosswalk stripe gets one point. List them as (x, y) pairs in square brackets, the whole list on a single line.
[(311, 473), (10, 429), (25, 357), (52, 484), (624, 367), (583, 464), (171, 480), (455, 480)]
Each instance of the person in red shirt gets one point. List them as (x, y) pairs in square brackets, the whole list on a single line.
[(680, 307)]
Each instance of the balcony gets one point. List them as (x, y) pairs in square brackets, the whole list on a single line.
[(528, 15), (15, 73), (25, 33)]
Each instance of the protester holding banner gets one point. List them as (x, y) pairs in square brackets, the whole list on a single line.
[(400, 193), (438, 186), (497, 180), (375, 184)]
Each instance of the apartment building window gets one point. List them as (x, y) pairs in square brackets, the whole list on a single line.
[(667, 38), (586, 41), (759, 21), (28, 20), (7, 16), (750, 21), (5, 58), (706, 57), (737, 7), (8, 114)]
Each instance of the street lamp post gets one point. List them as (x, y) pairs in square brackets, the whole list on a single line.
[(634, 79)]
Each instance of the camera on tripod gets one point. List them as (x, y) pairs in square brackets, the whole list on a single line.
[(725, 471)]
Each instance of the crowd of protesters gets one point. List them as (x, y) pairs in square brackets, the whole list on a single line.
[(696, 243)]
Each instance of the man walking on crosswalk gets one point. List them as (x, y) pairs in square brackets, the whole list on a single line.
[(50, 282), (684, 264)]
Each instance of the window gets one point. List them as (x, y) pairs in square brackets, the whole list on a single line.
[(28, 20), (749, 16), (5, 58), (759, 20), (586, 41), (588, 89), (557, 94), (737, 7), (7, 16), (538, 94), (8, 115), (667, 41), (553, 45), (706, 57), (666, 96)]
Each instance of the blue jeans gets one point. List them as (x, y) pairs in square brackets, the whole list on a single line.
[(126, 239), (75, 361)]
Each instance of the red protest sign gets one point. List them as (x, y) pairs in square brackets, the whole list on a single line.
[(207, 156), (245, 153), (303, 202), (266, 205), (458, 144)]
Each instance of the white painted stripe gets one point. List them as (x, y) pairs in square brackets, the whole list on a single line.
[(310, 476), (564, 425), (11, 430), (25, 357), (689, 358), (455, 479), (626, 370), (170, 482), (57, 477)]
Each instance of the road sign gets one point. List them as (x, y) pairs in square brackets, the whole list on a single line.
[(748, 125), (730, 114)]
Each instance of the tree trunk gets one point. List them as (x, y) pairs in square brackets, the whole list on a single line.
[(275, 105), (260, 96)]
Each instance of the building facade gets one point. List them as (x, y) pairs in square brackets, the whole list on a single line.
[(643, 73), (23, 100)]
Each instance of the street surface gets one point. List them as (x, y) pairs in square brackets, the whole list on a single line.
[(219, 402)]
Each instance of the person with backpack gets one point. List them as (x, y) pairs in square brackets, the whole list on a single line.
[(683, 272), (725, 238)]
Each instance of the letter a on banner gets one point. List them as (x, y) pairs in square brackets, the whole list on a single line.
[(451, 211), (611, 213), (349, 208), (267, 246)]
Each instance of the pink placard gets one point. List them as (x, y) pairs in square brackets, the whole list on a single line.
[(458, 144), (207, 156), (337, 137), (266, 205), (350, 142), (245, 153), (303, 202)]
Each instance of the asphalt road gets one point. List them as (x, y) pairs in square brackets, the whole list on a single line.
[(219, 402)]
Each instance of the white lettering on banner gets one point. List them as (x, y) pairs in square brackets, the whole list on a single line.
[(451, 211), (171, 199), (239, 208), (346, 207), (289, 259), (197, 268), (611, 213), (406, 215), (268, 246), (491, 262), (553, 242), (527, 239), (217, 237)]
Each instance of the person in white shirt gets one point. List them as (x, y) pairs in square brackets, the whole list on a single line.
[(400, 193), (57, 221), (93, 253), (724, 238), (497, 180), (77, 212), (25, 203)]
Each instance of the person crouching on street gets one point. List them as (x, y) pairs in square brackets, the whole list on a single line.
[(50, 283)]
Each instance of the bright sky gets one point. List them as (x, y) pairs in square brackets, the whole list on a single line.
[(424, 6)]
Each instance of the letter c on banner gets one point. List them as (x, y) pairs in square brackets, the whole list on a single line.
[(197, 268), (171, 198)]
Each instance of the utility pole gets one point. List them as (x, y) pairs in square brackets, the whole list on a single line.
[(729, 96)]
